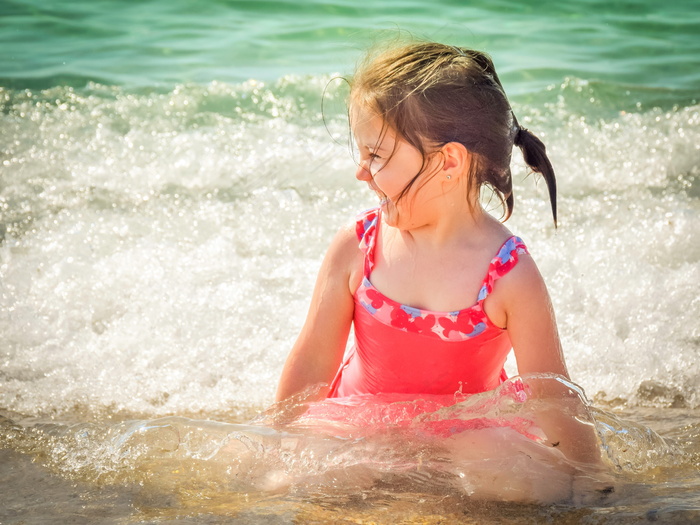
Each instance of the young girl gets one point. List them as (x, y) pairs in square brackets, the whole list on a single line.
[(436, 289)]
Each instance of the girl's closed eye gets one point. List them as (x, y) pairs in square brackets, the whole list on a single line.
[(374, 157), (370, 153), (375, 161)]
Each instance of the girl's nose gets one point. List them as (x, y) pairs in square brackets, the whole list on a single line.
[(363, 173)]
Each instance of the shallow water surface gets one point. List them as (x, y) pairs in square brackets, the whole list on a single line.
[(204, 471)]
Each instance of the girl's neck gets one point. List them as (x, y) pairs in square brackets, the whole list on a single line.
[(452, 227)]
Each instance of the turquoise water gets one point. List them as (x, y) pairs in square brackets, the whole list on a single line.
[(169, 184), (157, 43)]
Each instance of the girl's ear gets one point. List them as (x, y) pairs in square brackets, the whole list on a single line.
[(457, 159)]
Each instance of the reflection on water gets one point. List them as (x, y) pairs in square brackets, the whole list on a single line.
[(393, 459)]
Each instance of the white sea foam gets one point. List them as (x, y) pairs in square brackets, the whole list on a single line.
[(160, 249)]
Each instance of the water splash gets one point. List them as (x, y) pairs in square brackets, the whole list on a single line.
[(431, 444)]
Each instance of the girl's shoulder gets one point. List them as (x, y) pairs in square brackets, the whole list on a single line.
[(499, 243), (345, 243), (344, 255), (513, 278), (506, 260), (512, 257)]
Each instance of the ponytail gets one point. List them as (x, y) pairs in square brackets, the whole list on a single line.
[(532, 147), (535, 156)]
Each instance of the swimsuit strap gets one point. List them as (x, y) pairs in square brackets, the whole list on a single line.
[(501, 264), (366, 230)]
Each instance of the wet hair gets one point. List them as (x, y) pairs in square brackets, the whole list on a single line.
[(431, 94)]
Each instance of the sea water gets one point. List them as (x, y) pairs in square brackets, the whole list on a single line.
[(170, 176)]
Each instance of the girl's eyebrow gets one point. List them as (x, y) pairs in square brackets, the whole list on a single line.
[(381, 146), (373, 146)]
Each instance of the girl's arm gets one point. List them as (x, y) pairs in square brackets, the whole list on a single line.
[(529, 319), (318, 351), (533, 333)]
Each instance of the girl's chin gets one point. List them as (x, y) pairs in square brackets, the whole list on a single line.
[(387, 208), (396, 218), (390, 215)]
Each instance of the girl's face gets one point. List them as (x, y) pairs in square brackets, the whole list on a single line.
[(388, 164)]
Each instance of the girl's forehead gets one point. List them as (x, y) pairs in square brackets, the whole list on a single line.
[(369, 128), (361, 116)]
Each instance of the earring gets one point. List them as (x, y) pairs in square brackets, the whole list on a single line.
[(449, 177)]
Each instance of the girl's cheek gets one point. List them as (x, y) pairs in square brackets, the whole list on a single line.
[(380, 167), (380, 178), (375, 167)]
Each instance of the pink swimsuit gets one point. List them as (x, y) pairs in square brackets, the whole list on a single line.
[(404, 350)]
